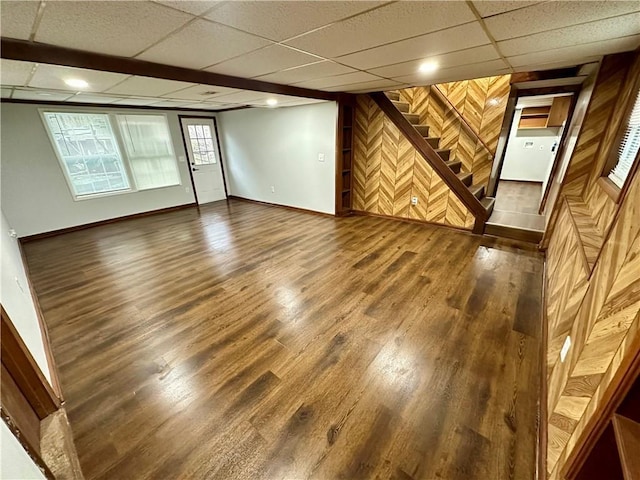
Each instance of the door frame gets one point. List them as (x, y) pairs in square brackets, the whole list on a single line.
[(514, 94), (186, 152)]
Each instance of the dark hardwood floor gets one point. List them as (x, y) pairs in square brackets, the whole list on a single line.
[(249, 341)]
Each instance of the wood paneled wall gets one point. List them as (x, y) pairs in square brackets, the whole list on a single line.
[(482, 102), (388, 171), (593, 280)]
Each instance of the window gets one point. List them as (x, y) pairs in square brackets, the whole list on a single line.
[(88, 151), (202, 144), (629, 146), (147, 142), (97, 161)]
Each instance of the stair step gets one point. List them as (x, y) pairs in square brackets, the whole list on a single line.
[(488, 203), (402, 106), (395, 96), (477, 190), (466, 178), (413, 118), (454, 165), (445, 154), (422, 130), (433, 141)]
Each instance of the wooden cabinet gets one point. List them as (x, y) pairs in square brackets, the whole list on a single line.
[(545, 117), (559, 111)]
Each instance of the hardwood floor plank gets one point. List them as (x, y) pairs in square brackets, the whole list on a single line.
[(248, 341)]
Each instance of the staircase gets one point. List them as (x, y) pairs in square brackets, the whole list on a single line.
[(455, 165)]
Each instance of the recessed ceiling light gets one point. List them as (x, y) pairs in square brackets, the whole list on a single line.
[(428, 67), (272, 102), (76, 83)]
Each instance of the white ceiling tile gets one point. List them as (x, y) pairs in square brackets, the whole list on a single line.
[(562, 64), (92, 98), (375, 85), (263, 61), (135, 101), (6, 92), (169, 104), (147, 86), (116, 28), (41, 95), (336, 80), (13, 72), (387, 24), (242, 97), (199, 92), (279, 20), (462, 57), (569, 54), (321, 69), (486, 8), (17, 18), (195, 7), (450, 40), (54, 76), (206, 106), (553, 15), (202, 43), (300, 101), (464, 72), (586, 33)]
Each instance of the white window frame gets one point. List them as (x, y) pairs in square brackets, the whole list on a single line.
[(111, 114)]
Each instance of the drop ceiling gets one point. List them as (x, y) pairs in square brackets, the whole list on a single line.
[(351, 46)]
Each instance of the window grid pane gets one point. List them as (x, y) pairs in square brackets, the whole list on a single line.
[(202, 144), (88, 150)]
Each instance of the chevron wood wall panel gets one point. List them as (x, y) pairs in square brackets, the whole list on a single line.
[(593, 285), (388, 172), (482, 102)]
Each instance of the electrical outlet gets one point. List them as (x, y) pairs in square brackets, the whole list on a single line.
[(273, 189), (414, 200), (321, 157)]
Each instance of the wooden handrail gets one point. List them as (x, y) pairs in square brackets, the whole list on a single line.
[(433, 159), (444, 98)]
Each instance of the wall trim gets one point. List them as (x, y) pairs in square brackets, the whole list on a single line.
[(363, 213), (61, 231), (288, 207), (541, 446)]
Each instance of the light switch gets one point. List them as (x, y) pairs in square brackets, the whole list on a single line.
[(321, 157)]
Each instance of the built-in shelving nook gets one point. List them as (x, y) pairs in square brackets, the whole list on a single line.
[(344, 157)]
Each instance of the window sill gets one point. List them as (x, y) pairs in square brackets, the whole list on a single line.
[(609, 188)]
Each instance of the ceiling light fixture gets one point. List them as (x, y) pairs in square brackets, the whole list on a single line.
[(272, 102), (428, 67), (76, 83)]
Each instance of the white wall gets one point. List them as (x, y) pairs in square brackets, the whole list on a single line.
[(15, 463), (528, 164), (35, 195), (279, 147), (16, 297)]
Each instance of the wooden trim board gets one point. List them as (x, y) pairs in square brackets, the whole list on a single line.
[(288, 207), (53, 233)]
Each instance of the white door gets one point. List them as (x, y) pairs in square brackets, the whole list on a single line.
[(204, 159)]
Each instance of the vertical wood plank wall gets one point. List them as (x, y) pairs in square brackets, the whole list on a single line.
[(388, 171), (593, 279)]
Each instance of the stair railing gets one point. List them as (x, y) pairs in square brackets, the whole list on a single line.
[(443, 98)]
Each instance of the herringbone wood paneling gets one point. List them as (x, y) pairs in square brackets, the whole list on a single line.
[(593, 281), (388, 172)]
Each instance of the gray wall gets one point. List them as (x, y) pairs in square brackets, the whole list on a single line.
[(279, 147)]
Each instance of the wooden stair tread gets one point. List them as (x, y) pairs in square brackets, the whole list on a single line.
[(445, 153), (393, 95), (454, 165), (477, 190), (422, 130), (515, 233), (402, 106), (488, 203), (433, 141), (413, 118), (465, 177), (627, 434)]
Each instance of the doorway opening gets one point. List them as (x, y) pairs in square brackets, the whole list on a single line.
[(200, 136), (536, 134)]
